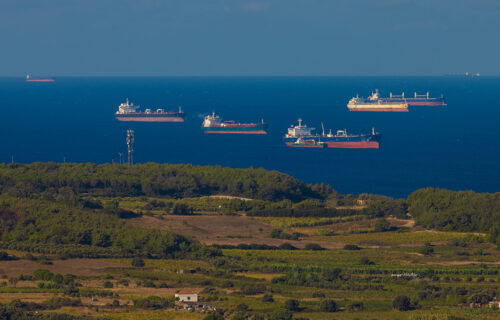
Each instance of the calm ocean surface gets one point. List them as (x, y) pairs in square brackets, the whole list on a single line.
[(455, 147)]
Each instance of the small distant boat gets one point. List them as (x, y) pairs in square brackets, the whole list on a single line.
[(128, 112), (308, 143), (214, 124), (29, 78)]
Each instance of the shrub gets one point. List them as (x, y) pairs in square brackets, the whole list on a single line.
[(268, 298), (355, 306), (107, 284), (427, 249), (382, 225), (227, 284), (401, 303), (351, 247), (328, 306), (137, 262), (313, 246), (292, 305)]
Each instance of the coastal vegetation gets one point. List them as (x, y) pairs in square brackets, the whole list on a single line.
[(85, 241)]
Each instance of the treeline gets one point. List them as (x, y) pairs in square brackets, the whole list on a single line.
[(152, 179), (465, 211), (35, 225), (307, 208)]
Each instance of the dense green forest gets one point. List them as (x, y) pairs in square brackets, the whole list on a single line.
[(457, 211), (70, 231), (152, 179)]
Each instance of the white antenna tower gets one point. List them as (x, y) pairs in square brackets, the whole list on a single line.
[(130, 146)]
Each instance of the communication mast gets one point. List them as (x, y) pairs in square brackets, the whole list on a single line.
[(130, 146)]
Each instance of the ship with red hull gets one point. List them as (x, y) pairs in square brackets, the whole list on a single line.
[(129, 112), (341, 139), (214, 124), (416, 100), (29, 78)]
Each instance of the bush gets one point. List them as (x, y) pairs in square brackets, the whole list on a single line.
[(107, 284), (351, 247), (313, 246), (427, 249), (328, 306), (355, 306), (382, 225), (401, 303), (137, 262), (227, 284), (292, 305), (268, 298)]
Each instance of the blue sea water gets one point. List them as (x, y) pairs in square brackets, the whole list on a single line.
[(455, 147)]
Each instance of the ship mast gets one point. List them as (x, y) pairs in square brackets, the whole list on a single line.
[(323, 128)]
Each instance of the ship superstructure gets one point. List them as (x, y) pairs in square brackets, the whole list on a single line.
[(302, 133), (374, 103), (129, 112), (214, 124)]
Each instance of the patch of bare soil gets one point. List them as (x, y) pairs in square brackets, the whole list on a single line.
[(202, 227), (407, 223), (79, 267)]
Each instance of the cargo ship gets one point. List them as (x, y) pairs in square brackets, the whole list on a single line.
[(129, 112), (416, 100), (29, 78), (374, 103), (214, 124), (339, 140)]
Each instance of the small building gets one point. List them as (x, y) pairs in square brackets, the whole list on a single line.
[(186, 297)]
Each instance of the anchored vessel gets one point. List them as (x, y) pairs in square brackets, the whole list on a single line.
[(341, 139), (128, 112), (416, 100), (374, 103), (29, 78), (214, 124)]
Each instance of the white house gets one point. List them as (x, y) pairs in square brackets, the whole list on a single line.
[(186, 297)]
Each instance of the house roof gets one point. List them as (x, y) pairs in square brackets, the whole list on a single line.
[(179, 293)]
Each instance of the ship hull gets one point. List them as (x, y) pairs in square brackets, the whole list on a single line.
[(418, 102), (237, 129), (40, 80), (151, 117), (155, 119), (377, 109), (300, 145)]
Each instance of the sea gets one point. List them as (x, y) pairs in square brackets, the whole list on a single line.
[(455, 147)]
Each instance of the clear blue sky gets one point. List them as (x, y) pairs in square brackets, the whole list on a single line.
[(239, 37)]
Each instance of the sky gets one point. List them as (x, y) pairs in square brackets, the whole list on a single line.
[(249, 38)]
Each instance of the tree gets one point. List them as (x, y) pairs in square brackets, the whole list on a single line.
[(401, 303), (138, 262), (328, 306), (382, 225), (292, 305)]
